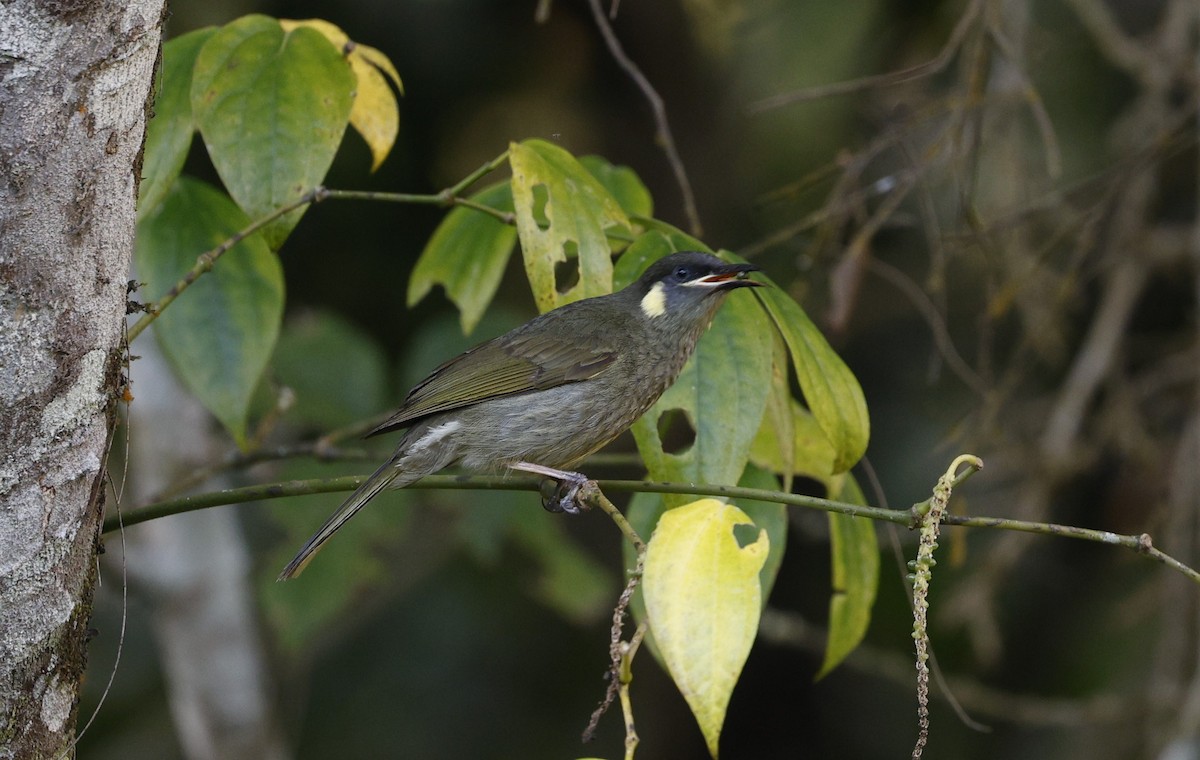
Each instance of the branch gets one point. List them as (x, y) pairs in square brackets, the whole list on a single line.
[(205, 261), (908, 517), (660, 114), (930, 67)]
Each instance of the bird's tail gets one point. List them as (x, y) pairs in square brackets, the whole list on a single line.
[(367, 491)]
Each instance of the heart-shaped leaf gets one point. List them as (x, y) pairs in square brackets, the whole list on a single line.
[(169, 133), (272, 107), (220, 332)]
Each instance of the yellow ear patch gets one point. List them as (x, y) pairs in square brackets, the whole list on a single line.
[(654, 303)]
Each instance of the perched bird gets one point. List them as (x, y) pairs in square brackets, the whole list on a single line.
[(544, 396)]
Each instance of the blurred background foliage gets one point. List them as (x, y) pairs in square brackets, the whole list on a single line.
[(1002, 243)]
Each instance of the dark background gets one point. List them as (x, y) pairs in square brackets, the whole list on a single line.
[(1010, 246)]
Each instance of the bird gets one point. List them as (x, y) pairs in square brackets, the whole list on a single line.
[(547, 394)]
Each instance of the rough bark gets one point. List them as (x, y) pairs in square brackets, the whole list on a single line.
[(74, 81)]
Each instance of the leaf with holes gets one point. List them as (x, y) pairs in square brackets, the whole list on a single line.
[(562, 214), (169, 133), (719, 398), (855, 560), (466, 255), (702, 593), (375, 114), (219, 333), (272, 107)]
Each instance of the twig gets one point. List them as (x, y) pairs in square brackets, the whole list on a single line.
[(937, 324), (618, 652), (932, 66), (628, 651), (1121, 51), (451, 196), (205, 261), (660, 115)]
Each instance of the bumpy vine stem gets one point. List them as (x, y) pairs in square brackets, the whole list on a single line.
[(931, 524)]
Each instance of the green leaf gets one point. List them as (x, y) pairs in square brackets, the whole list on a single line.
[(855, 575), (220, 332), (338, 373), (622, 183), (562, 214), (375, 114), (272, 107), (830, 388), (778, 424), (659, 240), (721, 392), (702, 592), (169, 133), (466, 255), (811, 453)]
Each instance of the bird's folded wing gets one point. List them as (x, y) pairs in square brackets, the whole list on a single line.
[(506, 366)]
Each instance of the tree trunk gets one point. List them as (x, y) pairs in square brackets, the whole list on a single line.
[(75, 79)]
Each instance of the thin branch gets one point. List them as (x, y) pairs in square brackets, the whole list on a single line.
[(660, 115), (937, 324), (930, 67), (1140, 543), (451, 196), (205, 261), (1122, 51)]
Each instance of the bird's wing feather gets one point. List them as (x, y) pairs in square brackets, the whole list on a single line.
[(505, 366)]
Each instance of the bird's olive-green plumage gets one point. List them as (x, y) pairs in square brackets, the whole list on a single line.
[(555, 389)]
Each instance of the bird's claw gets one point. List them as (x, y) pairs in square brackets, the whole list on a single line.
[(569, 495)]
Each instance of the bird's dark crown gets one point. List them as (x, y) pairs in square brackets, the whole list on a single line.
[(695, 268)]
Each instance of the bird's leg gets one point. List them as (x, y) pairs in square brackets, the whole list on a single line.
[(565, 495)]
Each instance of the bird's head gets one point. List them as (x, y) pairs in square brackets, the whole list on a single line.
[(686, 288)]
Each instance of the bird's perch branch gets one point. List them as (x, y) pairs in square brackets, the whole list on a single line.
[(1140, 543)]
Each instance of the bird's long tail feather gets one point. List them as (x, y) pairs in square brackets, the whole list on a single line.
[(367, 491)]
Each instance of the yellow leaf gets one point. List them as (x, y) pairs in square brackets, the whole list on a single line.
[(702, 600), (375, 114)]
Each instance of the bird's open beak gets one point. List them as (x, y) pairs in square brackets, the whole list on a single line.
[(735, 276)]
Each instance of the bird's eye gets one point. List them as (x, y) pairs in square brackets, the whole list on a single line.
[(682, 274)]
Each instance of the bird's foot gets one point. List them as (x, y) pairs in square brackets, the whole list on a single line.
[(563, 490)]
